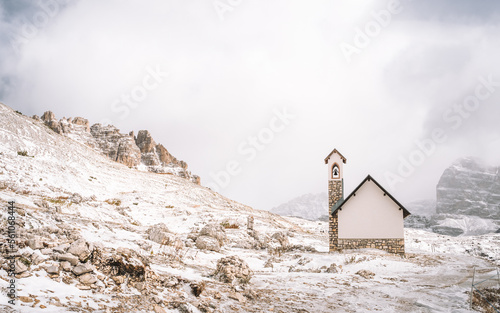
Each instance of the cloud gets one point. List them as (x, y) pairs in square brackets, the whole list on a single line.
[(226, 78)]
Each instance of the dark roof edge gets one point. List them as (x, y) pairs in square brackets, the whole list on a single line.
[(368, 178)]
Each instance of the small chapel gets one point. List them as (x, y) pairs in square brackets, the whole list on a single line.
[(369, 217)]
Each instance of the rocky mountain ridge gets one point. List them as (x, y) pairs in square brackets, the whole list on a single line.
[(469, 187), (140, 151)]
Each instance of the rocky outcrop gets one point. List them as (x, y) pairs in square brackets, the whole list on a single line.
[(49, 119), (469, 188), (157, 158), (133, 151), (118, 147)]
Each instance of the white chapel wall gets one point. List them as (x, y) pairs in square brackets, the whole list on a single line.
[(370, 215)]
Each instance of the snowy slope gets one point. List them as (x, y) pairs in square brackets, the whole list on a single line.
[(65, 191)]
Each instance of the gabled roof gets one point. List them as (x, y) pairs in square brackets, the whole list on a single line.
[(335, 151), (369, 178)]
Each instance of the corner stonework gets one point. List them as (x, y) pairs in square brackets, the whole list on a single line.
[(335, 194)]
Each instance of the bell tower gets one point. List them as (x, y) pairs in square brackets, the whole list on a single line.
[(334, 162)]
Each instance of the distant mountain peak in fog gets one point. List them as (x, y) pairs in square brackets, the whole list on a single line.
[(309, 206)]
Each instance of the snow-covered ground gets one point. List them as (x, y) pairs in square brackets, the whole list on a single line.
[(118, 205)]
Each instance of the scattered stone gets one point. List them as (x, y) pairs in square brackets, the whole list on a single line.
[(250, 222), (20, 267), (197, 288), (207, 243), (73, 260), (53, 269), (61, 248), (118, 279), (333, 269), (159, 309), (81, 249), (25, 299), (159, 233), (46, 251), (76, 198), (82, 269), (187, 308), (250, 294), (36, 259), (237, 296), (303, 261), (365, 274), (87, 279), (66, 266), (35, 243), (281, 238)]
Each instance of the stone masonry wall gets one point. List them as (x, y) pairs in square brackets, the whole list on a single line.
[(334, 195), (396, 246), (334, 192), (333, 233)]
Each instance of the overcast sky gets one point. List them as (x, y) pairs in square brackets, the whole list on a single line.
[(253, 95)]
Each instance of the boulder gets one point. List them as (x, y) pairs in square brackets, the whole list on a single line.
[(66, 266), (35, 243), (73, 260), (281, 238), (365, 274), (81, 249), (332, 269), (158, 233), (76, 198), (215, 231), (36, 259), (46, 251), (82, 269), (61, 248), (207, 243), (87, 279), (237, 296), (233, 269), (53, 269), (20, 266)]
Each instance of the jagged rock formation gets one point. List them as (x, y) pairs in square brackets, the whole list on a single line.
[(308, 206), (469, 188), (134, 151), (118, 147)]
